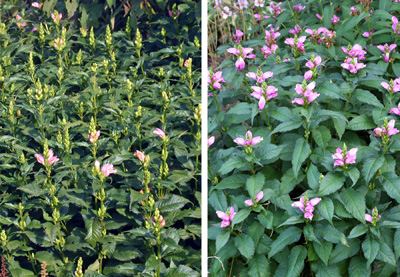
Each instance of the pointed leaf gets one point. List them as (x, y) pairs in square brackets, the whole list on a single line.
[(300, 154), (358, 267), (357, 231), (371, 166), (222, 239), (370, 247), (323, 250), (385, 254), (326, 209), (259, 266), (391, 184), (354, 203), (330, 183), (296, 261), (245, 245), (240, 216), (288, 236), (254, 184)]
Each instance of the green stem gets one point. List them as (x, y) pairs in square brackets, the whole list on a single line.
[(347, 102)]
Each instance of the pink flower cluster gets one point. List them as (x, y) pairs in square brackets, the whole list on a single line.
[(56, 18), (248, 140), (312, 65), (355, 52), (335, 20), (160, 219), (264, 94), (276, 9), (259, 196), (19, 24), (374, 217), (386, 49), (216, 79), (354, 11), (391, 130), (298, 8), (307, 206), (226, 217), (243, 53), (396, 25), (106, 169), (270, 40), (393, 86), (322, 36), (36, 5), (237, 36), (260, 77), (296, 30), (340, 155), (51, 160), (93, 136), (297, 44), (307, 93)]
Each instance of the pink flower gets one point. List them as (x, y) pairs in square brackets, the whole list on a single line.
[(296, 30), (335, 20), (240, 64), (276, 9), (51, 160), (395, 110), (243, 4), (386, 49), (216, 79), (94, 136), (226, 12), (271, 35), (318, 16), (298, 8), (352, 65), (39, 158), (257, 16), (395, 26), (296, 43), (351, 156), (355, 52), (97, 165), (226, 217), (248, 140), (308, 75), (260, 77), (264, 94), (159, 132), (243, 53), (20, 25), (307, 92), (36, 5), (370, 218), (379, 132), (259, 196), (393, 86), (259, 3), (34, 29), (266, 51), (210, 140), (140, 155), (56, 18), (317, 61), (308, 208), (108, 169)]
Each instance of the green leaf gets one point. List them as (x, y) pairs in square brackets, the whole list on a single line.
[(175, 202), (331, 90), (330, 184), (288, 236), (323, 250), (234, 162), (222, 239), (232, 182), (254, 184), (218, 200), (340, 126), (313, 177), (367, 97), (371, 248), (308, 231), (266, 218), (93, 228), (391, 184), (385, 5), (181, 271), (357, 231), (259, 266), (371, 166), (300, 154), (385, 254), (358, 267), (289, 181), (282, 114), (326, 209), (328, 13), (354, 203), (342, 252), (295, 219), (322, 136), (326, 271), (125, 253), (330, 233), (396, 244), (354, 174), (288, 125), (361, 122), (245, 245), (296, 261), (240, 216)]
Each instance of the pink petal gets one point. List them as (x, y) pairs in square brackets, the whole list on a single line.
[(368, 218), (240, 141), (259, 196), (261, 103), (222, 215), (249, 202)]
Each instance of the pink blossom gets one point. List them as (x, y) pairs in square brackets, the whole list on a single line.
[(108, 169), (262, 78), (296, 30), (210, 140), (159, 132), (243, 4), (355, 52), (248, 140), (36, 5), (215, 80), (271, 35), (352, 65), (396, 26), (140, 155), (51, 160), (243, 53), (369, 218), (394, 85), (276, 9), (257, 16), (298, 8), (93, 136), (226, 217), (226, 12), (390, 132), (308, 75), (296, 43), (39, 158), (55, 18), (335, 20), (318, 16), (386, 49), (317, 61), (264, 94), (240, 64), (238, 35), (351, 156), (266, 51), (97, 165), (259, 3), (395, 110), (307, 92), (34, 29), (259, 196), (20, 25), (309, 206)]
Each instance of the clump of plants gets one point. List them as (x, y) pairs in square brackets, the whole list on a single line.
[(303, 138), (100, 144)]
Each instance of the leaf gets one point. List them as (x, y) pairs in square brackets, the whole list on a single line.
[(234, 162), (245, 245), (340, 126), (326, 209), (289, 181), (254, 184), (330, 233), (300, 154), (240, 216), (222, 239), (175, 202), (367, 97), (354, 174), (358, 267), (232, 182), (218, 200), (282, 114), (125, 253), (330, 184), (313, 177), (328, 13), (361, 122), (331, 90), (323, 250), (396, 243), (354, 203), (288, 236), (371, 166), (370, 248), (385, 5), (322, 136), (266, 218), (308, 231), (342, 252), (288, 125), (93, 228), (391, 184), (386, 254), (296, 261), (326, 271), (259, 266), (181, 271), (357, 231), (292, 220)]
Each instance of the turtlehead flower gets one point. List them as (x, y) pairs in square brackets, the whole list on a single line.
[(386, 49), (389, 131), (243, 53), (307, 93), (276, 9), (335, 20), (322, 36), (243, 4), (260, 76), (298, 8), (108, 169), (311, 64), (308, 75), (36, 5), (56, 17), (374, 217), (392, 86), (93, 136), (318, 16), (238, 35), (140, 155), (159, 133), (226, 12), (297, 44), (216, 79), (248, 140), (395, 26), (355, 52), (271, 35), (20, 24), (354, 11), (344, 157), (210, 140), (296, 30), (352, 65), (51, 160), (226, 217), (395, 110), (306, 206), (264, 94), (266, 51), (259, 196), (160, 221)]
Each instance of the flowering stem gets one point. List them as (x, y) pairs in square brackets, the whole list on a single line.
[(347, 102), (269, 125), (369, 29), (216, 102), (291, 10)]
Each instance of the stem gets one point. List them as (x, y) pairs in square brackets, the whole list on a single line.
[(269, 125), (347, 102), (216, 102)]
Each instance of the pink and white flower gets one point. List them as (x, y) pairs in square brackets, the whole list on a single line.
[(243, 4), (93, 136), (342, 159), (307, 93), (159, 133), (248, 140), (259, 196), (226, 12), (36, 5), (306, 206), (352, 65), (108, 169), (140, 155), (210, 140), (260, 77), (335, 20), (264, 94), (386, 49), (266, 51), (226, 217), (51, 160), (396, 25), (395, 110), (391, 130), (216, 79)]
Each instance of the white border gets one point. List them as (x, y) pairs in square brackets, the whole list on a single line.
[(204, 135)]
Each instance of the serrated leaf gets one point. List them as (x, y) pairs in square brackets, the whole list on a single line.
[(331, 90), (232, 182), (354, 174), (326, 208), (361, 122), (396, 244), (371, 166), (357, 231), (288, 125), (292, 220), (330, 233), (322, 136), (367, 97), (354, 203), (218, 200), (240, 216), (259, 266), (313, 177), (175, 202), (254, 184), (289, 181), (296, 261), (300, 154), (330, 184), (370, 248), (222, 239), (288, 236), (266, 219), (391, 184), (234, 162), (358, 267), (342, 252), (245, 245), (93, 228), (386, 254), (125, 253), (323, 250)]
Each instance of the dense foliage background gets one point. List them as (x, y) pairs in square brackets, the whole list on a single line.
[(84, 171), (314, 189)]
